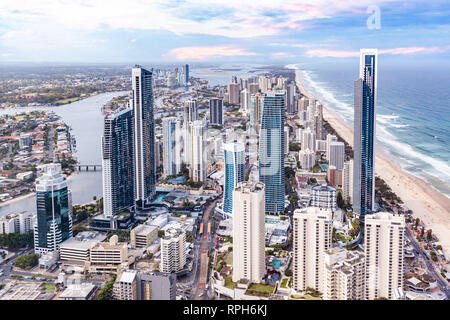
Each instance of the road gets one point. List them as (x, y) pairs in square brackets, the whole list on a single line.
[(429, 264), (205, 243)]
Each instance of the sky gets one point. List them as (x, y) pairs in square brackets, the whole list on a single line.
[(262, 31)]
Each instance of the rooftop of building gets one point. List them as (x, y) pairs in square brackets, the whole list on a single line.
[(324, 187), (84, 240), (79, 290)]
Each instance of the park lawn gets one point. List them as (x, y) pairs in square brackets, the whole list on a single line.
[(49, 286), (257, 289), (284, 283)]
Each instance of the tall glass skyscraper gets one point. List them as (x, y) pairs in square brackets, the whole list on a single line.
[(54, 210), (271, 150), (216, 111), (117, 162), (364, 134), (234, 159), (144, 135)]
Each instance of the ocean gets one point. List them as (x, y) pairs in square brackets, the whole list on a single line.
[(413, 111)]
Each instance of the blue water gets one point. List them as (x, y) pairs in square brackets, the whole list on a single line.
[(276, 264), (413, 118), (160, 197), (177, 180)]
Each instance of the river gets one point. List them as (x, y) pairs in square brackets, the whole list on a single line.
[(86, 120)]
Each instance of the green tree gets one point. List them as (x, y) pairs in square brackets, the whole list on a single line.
[(27, 261), (106, 293)]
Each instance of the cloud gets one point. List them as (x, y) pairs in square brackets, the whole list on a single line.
[(206, 52), (6, 55), (322, 53)]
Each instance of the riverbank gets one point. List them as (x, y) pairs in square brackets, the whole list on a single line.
[(427, 204)]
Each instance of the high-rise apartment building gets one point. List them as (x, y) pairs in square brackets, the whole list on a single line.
[(364, 133), (344, 275), (198, 161), (171, 128), (117, 162), (271, 150), (307, 159), (384, 239), (337, 154), (248, 232), (190, 110), (233, 93), (216, 111), (323, 196), (234, 161), (144, 135), (312, 227), (330, 138), (347, 181), (54, 210), (286, 139), (308, 140), (173, 252)]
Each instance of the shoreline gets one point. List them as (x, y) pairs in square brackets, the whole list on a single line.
[(427, 203), (28, 195)]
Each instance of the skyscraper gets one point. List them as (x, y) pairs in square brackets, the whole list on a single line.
[(117, 162), (234, 158), (171, 146), (347, 181), (248, 232), (233, 93), (290, 98), (271, 150), (337, 154), (54, 210), (364, 133), (190, 110), (144, 135), (186, 73), (255, 111), (216, 111), (312, 228), (384, 239), (199, 153)]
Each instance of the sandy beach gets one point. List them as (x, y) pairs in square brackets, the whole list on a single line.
[(427, 204)]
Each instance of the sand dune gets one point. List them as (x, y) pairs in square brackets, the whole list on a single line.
[(431, 206)]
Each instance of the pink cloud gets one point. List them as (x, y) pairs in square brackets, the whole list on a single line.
[(203, 53), (321, 53)]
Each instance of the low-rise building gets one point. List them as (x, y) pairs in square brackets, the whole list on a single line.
[(82, 291), (109, 256), (145, 285), (143, 235), (76, 250)]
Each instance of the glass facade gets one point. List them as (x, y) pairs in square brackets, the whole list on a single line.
[(364, 130), (234, 158), (271, 150), (53, 208), (118, 169), (145, 172)]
